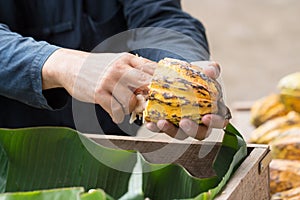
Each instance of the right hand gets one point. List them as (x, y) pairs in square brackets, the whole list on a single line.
[(107, 79), (188, 128)]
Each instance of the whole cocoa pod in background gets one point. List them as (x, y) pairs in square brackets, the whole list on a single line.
[(289, 87)]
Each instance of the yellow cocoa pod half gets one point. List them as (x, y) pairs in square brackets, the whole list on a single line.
[(274, 128), (284, 175), (290, 91), (267, 108), (179, 90)]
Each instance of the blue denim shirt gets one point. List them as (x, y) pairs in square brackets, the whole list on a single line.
[(21, 61), (30, 31)]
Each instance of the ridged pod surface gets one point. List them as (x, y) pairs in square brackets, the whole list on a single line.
[(284, 175), (267, 108), (287, 146), (292, 194), (179, 90), (275, 128)]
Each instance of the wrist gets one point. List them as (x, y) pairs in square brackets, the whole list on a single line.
[(60, 67)]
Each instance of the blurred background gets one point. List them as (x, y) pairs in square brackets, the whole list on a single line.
[(256, 42)]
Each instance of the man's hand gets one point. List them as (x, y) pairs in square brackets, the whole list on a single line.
[(107, 79), (188, 128), (110, 80)]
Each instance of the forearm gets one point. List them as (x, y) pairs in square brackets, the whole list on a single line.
[(21, 61)]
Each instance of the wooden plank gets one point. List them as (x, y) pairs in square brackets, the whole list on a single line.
[(101, 138), (197, 157)]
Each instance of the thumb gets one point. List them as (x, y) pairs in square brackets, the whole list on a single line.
[(210, 68)]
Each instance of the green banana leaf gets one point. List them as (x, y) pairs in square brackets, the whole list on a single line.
[(44, 158), (76, 193), (65, 193)]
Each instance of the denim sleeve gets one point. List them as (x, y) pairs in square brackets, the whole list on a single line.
[(176, 33), (21, 61)]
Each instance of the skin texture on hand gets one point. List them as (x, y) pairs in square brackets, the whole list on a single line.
[(188, 128), (107, 79)]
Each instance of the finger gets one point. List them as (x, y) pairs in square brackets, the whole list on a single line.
[(194, 130), (142, 64), (129, 77), (132, 104), (216, 67), (210, 68), (214, 121), (148, 68), (202, 132), (125, 97), (152, 127), (118, 114), (136, 78), (171, 130), (111, 106)]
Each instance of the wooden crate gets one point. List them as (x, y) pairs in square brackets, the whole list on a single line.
[(249, 182)]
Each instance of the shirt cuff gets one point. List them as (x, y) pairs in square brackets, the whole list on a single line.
[(36, 75)]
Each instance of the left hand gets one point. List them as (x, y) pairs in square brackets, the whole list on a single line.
[(188, 128)]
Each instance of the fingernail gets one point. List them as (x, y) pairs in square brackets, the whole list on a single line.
[(186, 126), (214, 72), (161, 124), (152, 127), (216, 67), (206, 120)]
